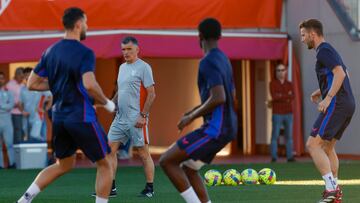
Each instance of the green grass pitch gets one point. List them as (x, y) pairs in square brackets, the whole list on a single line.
[(297, 182)]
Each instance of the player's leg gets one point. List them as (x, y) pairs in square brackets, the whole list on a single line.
[(329, 147), (104, 177), (47, 176), (196, 181), (92, 140), (170, 162), (320, 158), (64, 150), (276, 124)]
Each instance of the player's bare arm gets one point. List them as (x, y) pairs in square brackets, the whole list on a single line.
[(216, 98), (95, 91), (37, 83), (339, 76), (141, 121)]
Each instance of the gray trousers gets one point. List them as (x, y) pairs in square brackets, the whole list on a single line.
[(7, 137)]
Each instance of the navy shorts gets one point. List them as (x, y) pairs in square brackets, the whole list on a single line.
[(200, 146), (89, 137), (331, 124)]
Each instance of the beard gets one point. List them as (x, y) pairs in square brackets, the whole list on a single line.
[(82, 35), (311, 45)]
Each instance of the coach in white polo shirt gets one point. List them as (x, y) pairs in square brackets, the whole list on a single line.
[(135, 95)]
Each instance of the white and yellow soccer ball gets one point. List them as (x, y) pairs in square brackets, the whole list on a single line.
[(231, 177), (267, 176), (249, 176), (212, 177)]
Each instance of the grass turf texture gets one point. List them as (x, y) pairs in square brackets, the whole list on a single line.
[(79, 184)]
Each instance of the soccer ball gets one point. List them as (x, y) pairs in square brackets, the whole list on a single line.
[(267, 176), (212, 177), (249, 176), (231, 177)]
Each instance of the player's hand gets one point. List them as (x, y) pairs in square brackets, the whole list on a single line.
[(316, 96), (109, 106), (324, 104), (140, 122), (185, 121)]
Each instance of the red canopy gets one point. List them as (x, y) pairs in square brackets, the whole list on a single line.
[(158, 44)]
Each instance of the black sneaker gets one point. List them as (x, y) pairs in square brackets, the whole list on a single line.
[(330, 197), (146, 193), (12, 166), (113, 193), (291, 160), (273, 160)]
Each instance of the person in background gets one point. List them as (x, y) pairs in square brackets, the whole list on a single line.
[(31, 104), (282, 95), (6, 128), (14, 87)]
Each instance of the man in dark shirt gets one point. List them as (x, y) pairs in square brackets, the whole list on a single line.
[(184, 159), (336, 105), (67, 70), (282, 95)]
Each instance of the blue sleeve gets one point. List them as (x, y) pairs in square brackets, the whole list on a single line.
[(88, 63), (40, 68), (328, 58), (211, 74)]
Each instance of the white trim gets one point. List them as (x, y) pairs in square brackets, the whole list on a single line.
[(29, 145), (142, 32)]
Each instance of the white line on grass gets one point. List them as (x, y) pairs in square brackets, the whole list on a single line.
[(316, 182)]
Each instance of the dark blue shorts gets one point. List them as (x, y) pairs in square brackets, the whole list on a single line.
[(331, 124), (200, 146), (89, 137)]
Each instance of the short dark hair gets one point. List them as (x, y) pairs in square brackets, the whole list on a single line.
[(19, 70), (210, 28), (71, 16), (312, 24), (2, 73), (129, 39), (27, 70)]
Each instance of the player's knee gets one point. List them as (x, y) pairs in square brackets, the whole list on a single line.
[(311, 145)]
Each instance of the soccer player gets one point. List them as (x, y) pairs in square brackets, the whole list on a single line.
[(67, 69), (335, 102), (134, 97), (182, 161)]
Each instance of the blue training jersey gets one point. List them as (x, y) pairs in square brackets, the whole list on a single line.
[(215, 69), (327, 59), (63, 64)]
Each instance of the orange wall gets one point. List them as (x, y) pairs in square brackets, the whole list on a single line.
[(176, 92), (106, 74)]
